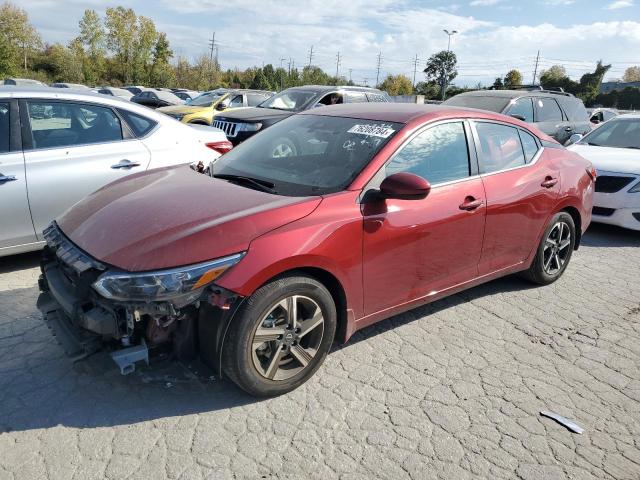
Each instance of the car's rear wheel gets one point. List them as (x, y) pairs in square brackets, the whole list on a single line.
[(554, 251), (280, 337)]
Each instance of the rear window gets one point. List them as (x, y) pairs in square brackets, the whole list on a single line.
[(574, 108), (493, 104), (138, 124)]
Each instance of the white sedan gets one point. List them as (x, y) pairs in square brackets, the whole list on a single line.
[(614, 149), (59, 145)]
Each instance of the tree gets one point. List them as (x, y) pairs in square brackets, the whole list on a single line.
[(430, 90), (631, 74), (19, 38), (441, 68), (590, 83), (513, 79), (260, 81), (397, 85), (497, 84), (92, 38), (144, 43), (554, 74), (122, 30), (161, 73)]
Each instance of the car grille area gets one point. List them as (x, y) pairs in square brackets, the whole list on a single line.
[(612, 183), (230, 129), (603, 212)]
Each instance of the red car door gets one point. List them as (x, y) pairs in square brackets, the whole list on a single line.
[(415, 248), (521, 189)]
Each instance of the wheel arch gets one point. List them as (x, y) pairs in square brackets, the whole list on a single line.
[(577, 220)]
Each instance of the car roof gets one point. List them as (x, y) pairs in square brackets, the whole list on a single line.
[(514, 93), (329, 88), (405, 112)]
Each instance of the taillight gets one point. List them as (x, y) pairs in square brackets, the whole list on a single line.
[(592, 172), (221, 147)]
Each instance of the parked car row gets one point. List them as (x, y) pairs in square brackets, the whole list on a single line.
[(57, 147)]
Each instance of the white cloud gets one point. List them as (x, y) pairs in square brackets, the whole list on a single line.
[(484, 3), (620, 4)]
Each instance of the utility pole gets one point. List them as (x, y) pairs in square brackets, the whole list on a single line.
[(337, 65), (444, 76), (415, 67), (350, 70), (310, 55), (366, 81), (281, 76), (378, 68), (212, 65), (289, 69), (535, 71)]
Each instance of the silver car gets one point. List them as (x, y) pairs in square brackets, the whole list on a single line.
[(58, 146)]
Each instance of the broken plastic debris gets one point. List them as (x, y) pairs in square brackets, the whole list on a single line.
[(562, 421)]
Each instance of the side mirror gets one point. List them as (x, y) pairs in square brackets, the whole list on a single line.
[(575, 138), (519, 117), (595, 121), (221, 106), (404, 186)]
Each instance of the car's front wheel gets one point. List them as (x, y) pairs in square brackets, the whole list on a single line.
[(554, 251), (280, 336)]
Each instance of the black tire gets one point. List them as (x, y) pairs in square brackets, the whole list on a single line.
[(545, 269), (241, 360)]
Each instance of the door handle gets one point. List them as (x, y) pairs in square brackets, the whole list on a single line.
[(470, 203), (7, 178), (549, 182), (125, 164)]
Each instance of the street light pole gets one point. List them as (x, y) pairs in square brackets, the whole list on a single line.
[(444, 77)]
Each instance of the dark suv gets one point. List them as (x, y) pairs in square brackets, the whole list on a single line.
[(558, 114), (243, 123)]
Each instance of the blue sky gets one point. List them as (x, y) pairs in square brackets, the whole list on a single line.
[(494, 35)]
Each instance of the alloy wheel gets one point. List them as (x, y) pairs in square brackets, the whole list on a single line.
[(282, 150), (287, 338), (556, 248)]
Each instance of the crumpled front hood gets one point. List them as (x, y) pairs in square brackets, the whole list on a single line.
[(609, 159), (174, 216)]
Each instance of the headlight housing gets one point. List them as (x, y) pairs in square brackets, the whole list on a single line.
[(250, 127), (635, 188), (181, 285)]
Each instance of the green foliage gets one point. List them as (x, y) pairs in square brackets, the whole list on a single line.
[(627, 99), (430, 90), (498, 84), (19, 39), (512, 79), (441, 68), (587, 89), (397, 85)]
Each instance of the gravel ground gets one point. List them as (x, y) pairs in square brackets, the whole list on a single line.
[(452, 390)]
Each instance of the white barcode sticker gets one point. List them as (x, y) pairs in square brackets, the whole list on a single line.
[(382, 131)]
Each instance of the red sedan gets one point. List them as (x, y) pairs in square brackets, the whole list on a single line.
[(321, 225)]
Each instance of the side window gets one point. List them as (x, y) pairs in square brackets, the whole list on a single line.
[(58, 124), (522, 107), (438, 154), (529, 145), (331, 99), (236, 101), (500, 147), (138, 124), (548, 110), (254, 99), (376, 97), (5, 128), (356, 97)]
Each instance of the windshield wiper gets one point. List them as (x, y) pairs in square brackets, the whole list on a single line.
[(262, 185)]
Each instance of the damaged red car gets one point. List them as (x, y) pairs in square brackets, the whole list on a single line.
[(321, 225)]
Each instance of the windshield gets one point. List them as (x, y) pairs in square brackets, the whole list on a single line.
[(493, 104), (293, 100), (205, 99), (306, 155), (618, 133)]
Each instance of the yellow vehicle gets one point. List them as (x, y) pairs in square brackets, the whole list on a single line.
[(201, 109)]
